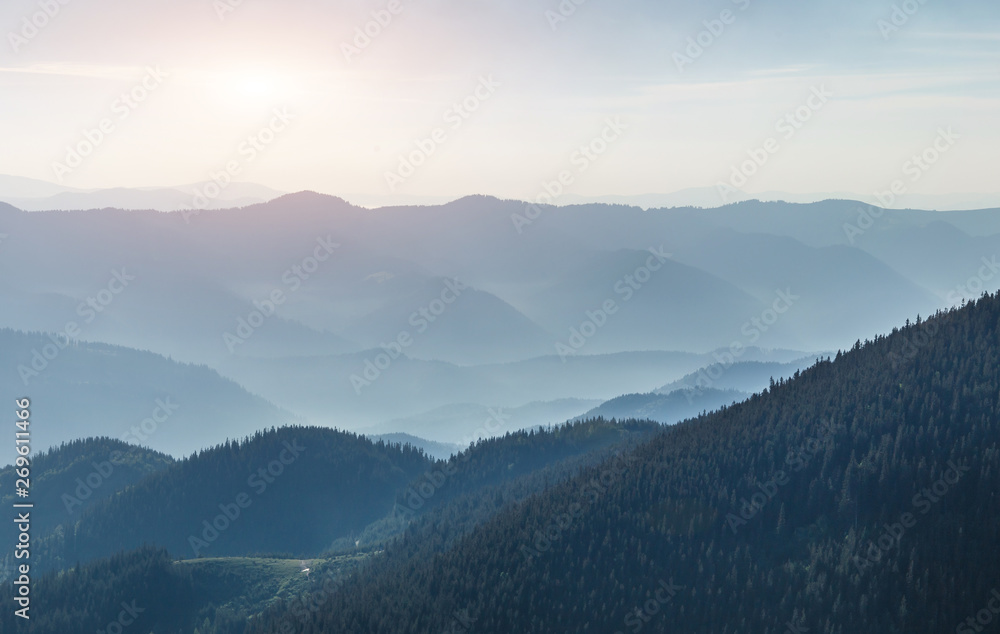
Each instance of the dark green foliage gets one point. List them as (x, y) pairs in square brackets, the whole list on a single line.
[(217, 595), (90, 598), (63, 481), (208, 596), (494, 461), (564, 531), (471, 487), (846, 447), (668, 408), (335, 483)]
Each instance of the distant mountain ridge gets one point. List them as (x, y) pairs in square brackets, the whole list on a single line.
[(36, 195), (325, 308), (859, 477), (709, 197), (743, 376), (88, 389), (669, 408)]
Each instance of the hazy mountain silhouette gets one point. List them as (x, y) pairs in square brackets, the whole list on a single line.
[(294, 297), (36, 195), (140, 397)]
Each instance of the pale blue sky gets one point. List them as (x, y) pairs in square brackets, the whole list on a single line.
[(552, 91)]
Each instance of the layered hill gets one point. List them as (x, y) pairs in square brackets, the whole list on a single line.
[(71, 478), (289, 491), (858, 496), (211, 594), (310, 290), (82, 389)]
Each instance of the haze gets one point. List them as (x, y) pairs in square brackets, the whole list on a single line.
[(216, 72)]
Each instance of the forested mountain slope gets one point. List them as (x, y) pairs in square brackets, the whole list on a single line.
[(668, 408), (281, 491), (860, 496), (219, 595), (475, 484), (68, 479)]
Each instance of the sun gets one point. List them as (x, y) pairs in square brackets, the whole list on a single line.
[(256, 84), (250, 90)]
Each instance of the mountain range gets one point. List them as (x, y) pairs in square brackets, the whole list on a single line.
[(324, 308), (856, 495), (38, 195)]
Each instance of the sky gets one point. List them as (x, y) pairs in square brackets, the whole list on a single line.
[(509, 98)]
